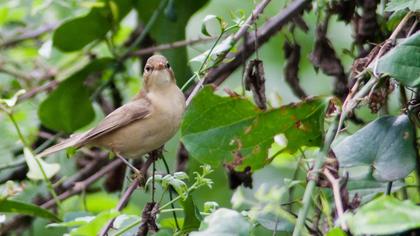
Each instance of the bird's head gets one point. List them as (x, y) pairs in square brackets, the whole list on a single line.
[(158, 73)]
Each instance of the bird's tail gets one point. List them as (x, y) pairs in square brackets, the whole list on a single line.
[(73, 141)]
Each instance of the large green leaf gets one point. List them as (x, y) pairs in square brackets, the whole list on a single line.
[(224, 222), (215, 127), (94, 226), (76, 33), (170, 27), (403, 61), (384, 215), (385, 145), (26, 209), (192, 217), (369, 188), (69, 108)]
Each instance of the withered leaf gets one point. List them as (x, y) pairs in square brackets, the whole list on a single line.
[(255, 81), (292, 54)]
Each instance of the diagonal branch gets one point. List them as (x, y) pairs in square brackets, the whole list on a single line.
[(265, 32), (127, 194), (29, 35)]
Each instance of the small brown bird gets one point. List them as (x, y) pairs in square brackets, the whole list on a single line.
[(142, 125)]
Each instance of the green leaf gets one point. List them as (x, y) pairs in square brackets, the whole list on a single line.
[(385, 145), (396, 5), (94, 226), (76, 33), (221, 48), (403, 61), (73, 223), (369, 188), (215, 127), (69, 108), (26, 209), (180, 187), (35, 164), (192, 217), (207, 20), (224, 222), (336, 232), (11, 102), (384, 215), (168, 30)]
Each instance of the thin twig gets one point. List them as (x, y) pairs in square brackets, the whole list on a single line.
[(124, 199), (29, 35), (269, 29), (335, 184), (235, 38), (170, 194), (80, 186), (168, 46)]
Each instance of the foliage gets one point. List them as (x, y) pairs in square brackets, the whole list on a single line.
[(342, 160)]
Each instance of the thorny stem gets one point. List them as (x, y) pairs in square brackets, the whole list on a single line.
[(303, 212)]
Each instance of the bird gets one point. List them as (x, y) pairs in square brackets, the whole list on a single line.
[(142, 125)]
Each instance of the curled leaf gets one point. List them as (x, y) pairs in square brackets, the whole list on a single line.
[(255, 81), (207, 20), (35, 164), (11, 102)]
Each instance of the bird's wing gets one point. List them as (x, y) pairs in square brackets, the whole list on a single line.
[(126, 114)]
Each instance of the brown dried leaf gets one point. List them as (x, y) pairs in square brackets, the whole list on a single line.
[(255, 81), (324, 57), (292, 54), (344, 9)]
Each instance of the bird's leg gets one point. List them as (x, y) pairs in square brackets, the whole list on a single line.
[(135, 170)]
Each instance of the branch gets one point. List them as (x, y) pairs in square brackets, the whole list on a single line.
[(335, 185), (29, 35), (238, 35), (268, 30), (163, 47), (80, 186), (127, 194)]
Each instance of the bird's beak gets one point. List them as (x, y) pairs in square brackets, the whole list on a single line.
[(160, 66)]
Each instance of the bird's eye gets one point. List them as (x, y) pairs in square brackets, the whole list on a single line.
[(168, 66), (148, 68)]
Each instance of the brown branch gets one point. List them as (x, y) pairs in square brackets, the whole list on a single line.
[(265, 32), (81, 186), (163, 47), (139, 180), (238, 35), (29, 35), (45, 87), (335, 185)]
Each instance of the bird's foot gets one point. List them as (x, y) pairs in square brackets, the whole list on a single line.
[(133, 168)]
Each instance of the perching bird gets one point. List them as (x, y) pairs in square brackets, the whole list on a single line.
[(143, 124)]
